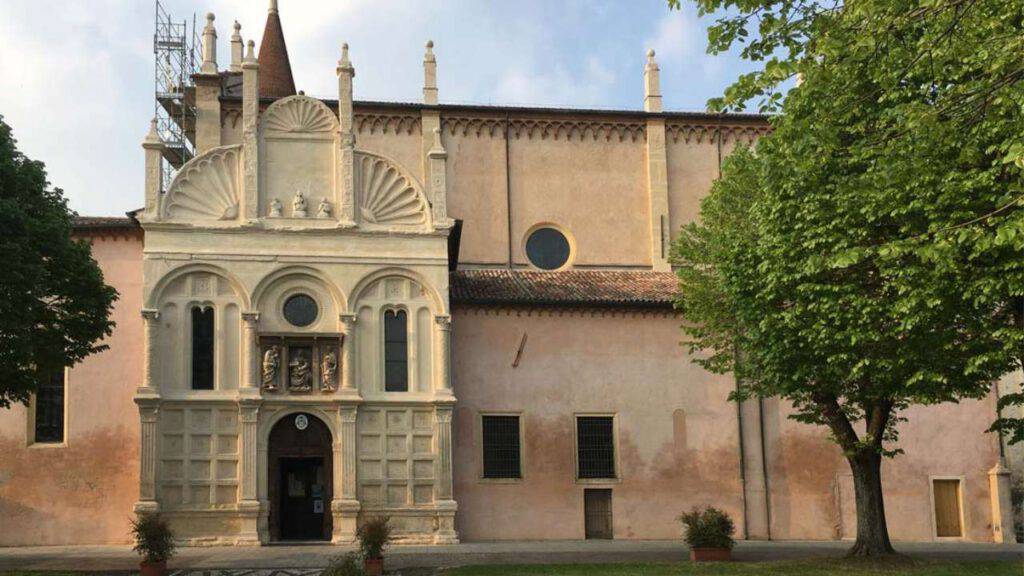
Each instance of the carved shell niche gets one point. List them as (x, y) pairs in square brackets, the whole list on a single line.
[(207, 187), (386, 195), (299, 114)]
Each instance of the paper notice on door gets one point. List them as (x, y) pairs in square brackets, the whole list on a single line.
[(318, 506), (296, 487)]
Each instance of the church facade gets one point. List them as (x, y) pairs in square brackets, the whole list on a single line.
[(459, 317)]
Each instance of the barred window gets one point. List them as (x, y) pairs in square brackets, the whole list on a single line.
[(396, 351), (595, 446), (202, 348), (49, 424), (501, 447)]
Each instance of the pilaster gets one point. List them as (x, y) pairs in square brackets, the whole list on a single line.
[(348, 357), (345, 507), (443, 376), (1002, 505), (657, 190), (154, 149), (446, 505), (346, 141), (249, 504), (251, 347), (250, 120), (149, 411)]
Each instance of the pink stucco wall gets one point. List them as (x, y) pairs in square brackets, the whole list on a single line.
[(83, 492)]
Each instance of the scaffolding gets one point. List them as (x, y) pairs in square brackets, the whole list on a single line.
[(176, 49)]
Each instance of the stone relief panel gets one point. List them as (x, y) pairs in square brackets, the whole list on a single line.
[(386, 195), (173, 359), (394, 293), (299, 162), (395, 457), (198, 466), (207, 188)]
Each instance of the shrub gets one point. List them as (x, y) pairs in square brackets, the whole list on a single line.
[(708, 528), (154, 540), (374, 535), (345, 565)]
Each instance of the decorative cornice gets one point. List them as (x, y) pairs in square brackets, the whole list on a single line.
[(387, 124), (702, 133), (470, 126), (544, 128)]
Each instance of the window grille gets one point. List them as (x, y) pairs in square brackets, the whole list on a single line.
[(202, 348), (595, 445), (49, 425), (396, 351), (501, 447)]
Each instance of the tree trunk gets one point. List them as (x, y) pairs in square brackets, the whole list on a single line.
[(872, 532)]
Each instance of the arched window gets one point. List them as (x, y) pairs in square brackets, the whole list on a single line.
[(202, 348), (396, 351)]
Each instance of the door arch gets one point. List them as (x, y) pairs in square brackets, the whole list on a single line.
[(299, 475)]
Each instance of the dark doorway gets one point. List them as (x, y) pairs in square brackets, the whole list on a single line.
[(597, 513), (300, 487)]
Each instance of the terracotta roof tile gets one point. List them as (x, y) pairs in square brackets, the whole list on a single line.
[(275, 68), (102, 222), (573, 288)]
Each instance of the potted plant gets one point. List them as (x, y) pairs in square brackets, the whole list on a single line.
[(154, 541), (709, 534), (374, 535)]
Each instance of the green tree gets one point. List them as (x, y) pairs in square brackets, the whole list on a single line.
[(54, 305), (868, 257)]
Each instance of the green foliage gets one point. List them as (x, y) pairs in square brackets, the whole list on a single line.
[(374, 535), (708, 528), (154, 540), (54, 305), (867, 257), (345, 565)]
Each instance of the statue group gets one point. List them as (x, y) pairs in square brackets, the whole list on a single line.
[(300, 368)]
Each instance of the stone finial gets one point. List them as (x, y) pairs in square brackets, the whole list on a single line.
[(344, 63), (237, 48), (429, 74), (209, 46), (273, 7), (250, 50), (153, 138), (652, 84)]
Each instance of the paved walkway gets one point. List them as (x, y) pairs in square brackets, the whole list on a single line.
[(303, 560)]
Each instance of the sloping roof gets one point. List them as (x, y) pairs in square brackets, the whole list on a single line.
[(103, 222), (572, 288), (275, 68)]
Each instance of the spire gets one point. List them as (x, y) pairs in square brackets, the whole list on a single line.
[(275, 69)]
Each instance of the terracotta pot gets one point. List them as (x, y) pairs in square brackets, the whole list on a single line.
[(373, 566), (710, 554), (153, 568)]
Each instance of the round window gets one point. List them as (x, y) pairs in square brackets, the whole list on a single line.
[(547, 248), (300, 310)]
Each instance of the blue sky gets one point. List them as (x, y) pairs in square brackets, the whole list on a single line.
[(78, 76)]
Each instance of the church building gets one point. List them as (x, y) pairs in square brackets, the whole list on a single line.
[(460, 317)]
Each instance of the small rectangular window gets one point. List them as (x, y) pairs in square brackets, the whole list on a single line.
[(501, 447), (49, 424), (595, 446), (396, 351), (202, 348)]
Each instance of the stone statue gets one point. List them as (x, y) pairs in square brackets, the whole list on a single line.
[(299, 205), (328, 369), (271, 362), (324, 211), (275, 209), (300, 378)]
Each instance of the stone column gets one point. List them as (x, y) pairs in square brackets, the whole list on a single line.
[(446, 506), (250, 129), (207, 94), (346, 141), (443, 384), (345, 505), (251, 351), (1002, 507), (249, 504), (348, 356), (149, 411), (151, 328), (154, 147)]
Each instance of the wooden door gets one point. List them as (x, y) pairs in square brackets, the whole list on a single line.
[(597, 513), (947, 508), (302, 499)]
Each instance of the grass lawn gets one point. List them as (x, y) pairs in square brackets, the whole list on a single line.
[(801, 568)]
